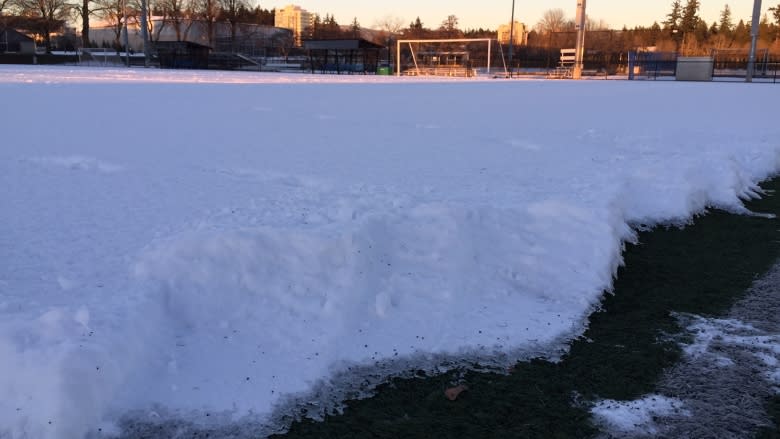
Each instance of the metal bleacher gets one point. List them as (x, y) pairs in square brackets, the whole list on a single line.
[(565, 66), (441, 70)]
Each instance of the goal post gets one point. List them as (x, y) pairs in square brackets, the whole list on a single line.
[(415, 60)]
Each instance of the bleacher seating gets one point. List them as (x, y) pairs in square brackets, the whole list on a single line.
[(565, 67), (442, 70)]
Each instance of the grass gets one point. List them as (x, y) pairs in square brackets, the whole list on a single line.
[(702, 269), (773, 408)]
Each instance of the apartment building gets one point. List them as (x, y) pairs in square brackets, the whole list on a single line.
[(519, 35), (295, 18)]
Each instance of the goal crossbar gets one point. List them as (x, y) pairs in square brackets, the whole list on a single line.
[(441, 40)]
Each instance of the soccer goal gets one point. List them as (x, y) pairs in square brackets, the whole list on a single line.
[(459, 57)]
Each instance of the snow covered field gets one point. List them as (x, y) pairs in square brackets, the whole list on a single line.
[(212, 246)]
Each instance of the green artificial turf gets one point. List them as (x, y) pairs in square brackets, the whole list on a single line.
[(773, 408), (702, 269)]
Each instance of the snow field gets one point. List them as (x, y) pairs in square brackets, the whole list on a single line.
[(205, 248)]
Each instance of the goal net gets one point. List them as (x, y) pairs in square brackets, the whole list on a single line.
[(460, 57)]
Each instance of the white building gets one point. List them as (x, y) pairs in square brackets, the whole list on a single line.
[(519, 34), (295, 18)]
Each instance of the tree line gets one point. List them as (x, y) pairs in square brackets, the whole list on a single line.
[(682, 29), (42, 18)]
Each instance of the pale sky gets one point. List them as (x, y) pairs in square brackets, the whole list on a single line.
[(491, 13)]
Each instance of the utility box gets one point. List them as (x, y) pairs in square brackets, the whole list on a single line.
[(695, 68), (27, 47)]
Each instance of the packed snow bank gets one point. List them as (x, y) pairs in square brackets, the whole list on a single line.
[(382, 284), (241, 245)]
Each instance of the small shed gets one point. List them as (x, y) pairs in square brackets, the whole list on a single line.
[(182, 55), (343, 56), (16, 42), (694, 68)]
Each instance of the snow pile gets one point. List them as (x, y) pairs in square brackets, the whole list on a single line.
[(245, 245), (637, 417), (54, 387)]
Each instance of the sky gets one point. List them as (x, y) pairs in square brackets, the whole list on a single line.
[(491, 13)]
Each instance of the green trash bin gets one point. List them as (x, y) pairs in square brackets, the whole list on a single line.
[(383, 70)]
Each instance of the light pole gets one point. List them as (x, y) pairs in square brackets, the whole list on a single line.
[(127, 36), (579, 54), (145, 31), (754, 30), (511, 37)]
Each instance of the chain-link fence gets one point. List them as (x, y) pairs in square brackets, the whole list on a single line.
[(719, 66), (766, 69)]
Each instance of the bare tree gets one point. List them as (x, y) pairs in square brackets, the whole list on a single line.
[(553, 20), (776, 15), (389, 24), (115, 12), (85, 10), (207, 13), (449, 27), (174, 14), (230, 10), (3, 5), (51, 12), (152, 8), (592, 24)]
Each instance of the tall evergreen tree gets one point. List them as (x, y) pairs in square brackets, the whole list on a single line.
[(672, 23), (714, 29), (702, 32), (673, 18), (655, 34), (330, 27), (690, 16), (776, 14), (765, 30), (315, 30), (416, 29), (355, 28), (725, 27), (741, 33)]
